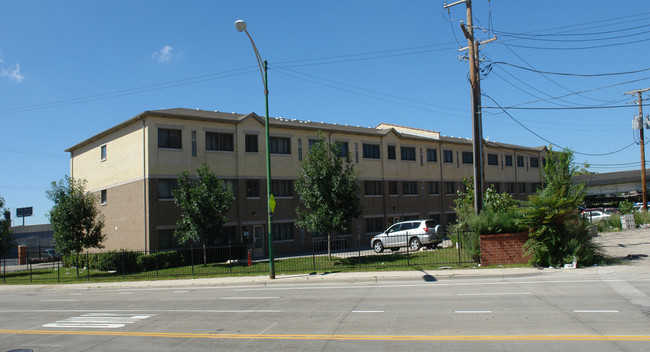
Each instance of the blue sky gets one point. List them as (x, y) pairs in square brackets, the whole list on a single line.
[(71, 69)]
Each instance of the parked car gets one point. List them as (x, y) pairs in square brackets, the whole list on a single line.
[(595, 214), (411, 233), (51, 254)]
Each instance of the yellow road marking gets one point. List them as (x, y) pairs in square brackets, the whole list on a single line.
[(341, 337)]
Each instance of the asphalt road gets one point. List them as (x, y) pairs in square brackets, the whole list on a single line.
[(596, 309)]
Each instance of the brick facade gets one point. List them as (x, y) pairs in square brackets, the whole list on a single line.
[(504, 248)]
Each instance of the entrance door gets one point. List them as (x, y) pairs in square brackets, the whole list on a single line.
[(258, 241)]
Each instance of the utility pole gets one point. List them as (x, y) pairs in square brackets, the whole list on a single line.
[(639, 102), (475, 81)]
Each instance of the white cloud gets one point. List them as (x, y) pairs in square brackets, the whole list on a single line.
[(164, 55), (12, 72)]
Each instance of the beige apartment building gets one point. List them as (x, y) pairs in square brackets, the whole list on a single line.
[(405, 173)]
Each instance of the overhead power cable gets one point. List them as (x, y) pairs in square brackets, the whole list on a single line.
[(571, 74)]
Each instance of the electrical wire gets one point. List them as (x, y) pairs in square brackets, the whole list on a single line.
[(571, 74)]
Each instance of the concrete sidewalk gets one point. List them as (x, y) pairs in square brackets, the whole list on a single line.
[(351, 277)]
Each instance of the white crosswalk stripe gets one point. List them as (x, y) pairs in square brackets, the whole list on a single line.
[(98, 320)]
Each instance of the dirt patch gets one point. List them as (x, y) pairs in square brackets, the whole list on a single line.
[(632, 247)]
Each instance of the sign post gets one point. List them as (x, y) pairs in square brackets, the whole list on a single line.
[(23, 212)]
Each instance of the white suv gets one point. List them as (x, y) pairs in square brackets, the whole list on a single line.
[(411, 233)]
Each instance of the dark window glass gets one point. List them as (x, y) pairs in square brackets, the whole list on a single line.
[(371, 151), (103, 152), (104, 197), (252, 188), (219, 141), (374, 225), (493, 159), (468, 158), (392, 187), (251, 143), (391, 152), (450, 188), (432, 155), (407, 153), (434, 187), (343, 149), (448, 156), (508, 160), (510, 187), (522, 187), (534, 162), (166, 188), (283, 231), (409, 187), (168, 138), (282, 188), (520, 161), (372, 188), (281, 145)]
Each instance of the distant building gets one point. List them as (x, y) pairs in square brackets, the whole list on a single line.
[(35, 237), (405, 173)]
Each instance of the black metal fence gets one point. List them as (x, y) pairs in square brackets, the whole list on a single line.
[(345, 254)]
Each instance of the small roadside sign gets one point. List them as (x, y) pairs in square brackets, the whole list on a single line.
[(272, 203)]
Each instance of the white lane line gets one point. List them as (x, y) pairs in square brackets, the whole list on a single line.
[(367, 311), (125, 293), (96, 326), (75, 294), (236, 298), (496, 294), (181, 291), (59, 300), (595, 311), (142, 310), (472, 311)]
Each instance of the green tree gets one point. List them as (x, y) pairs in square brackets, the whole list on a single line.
[(558, 234), (76, 221), (203, 203), (6, 242), (329, 190)]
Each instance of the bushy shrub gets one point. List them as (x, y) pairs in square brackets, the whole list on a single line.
[(626, 207), (160, 260), (641, 218), (613, 223)]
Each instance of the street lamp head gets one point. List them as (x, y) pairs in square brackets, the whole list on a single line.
[(240, 25)]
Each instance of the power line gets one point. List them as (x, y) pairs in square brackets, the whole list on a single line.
[(571, 74)]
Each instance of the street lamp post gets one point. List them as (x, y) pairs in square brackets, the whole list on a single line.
[(241, 27)]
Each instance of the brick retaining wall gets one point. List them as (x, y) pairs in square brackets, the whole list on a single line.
[(503, 248)]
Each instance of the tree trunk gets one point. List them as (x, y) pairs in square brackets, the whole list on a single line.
[(205, 256), (329, 245)]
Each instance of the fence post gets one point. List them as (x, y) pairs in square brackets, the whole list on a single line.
[(123, 265), (155, 256), (58, 270), (359, 246), (29, 263), (87, 267), (192, 257), (408, 247), (4, 270), (458, 244), (230, 255)]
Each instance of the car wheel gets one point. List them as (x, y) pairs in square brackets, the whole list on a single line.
[(415, 244), (378, 246)]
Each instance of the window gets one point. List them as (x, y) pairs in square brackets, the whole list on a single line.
[(166, 188), (522, 187), (508, 160), (168, 138), (448, 156), (252, 188), (167, 240), (432, 155), (372, 188), (299, 149), (510, 187), (534, 162), (409, 187), (280, 145), (374, 225), (407, 153), (283, 231), (493, 159), (282, 188), (193, 143), (520, 161), (219, 141), (391, 152), (230, 184), (251, 143), (311, 143), (450, 187), (343, 149), (434, 187), (536, 186), (468, 158), (392, 188), (103, 197), (496, 187), (371, 151), (102, 152)]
